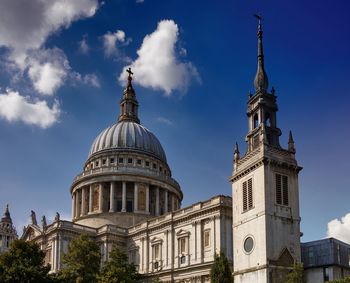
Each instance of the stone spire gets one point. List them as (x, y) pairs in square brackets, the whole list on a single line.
[(129, 104), (291, 146), (261, 82), (6, 217)]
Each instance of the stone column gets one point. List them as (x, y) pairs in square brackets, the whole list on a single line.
[(157, 201), (172, 202), (124, 197), (100, 199), (147, 198), (83, 204), (90, 198), (166, 202), (111, 197), (77, 212), (136, 197), (73, 205)]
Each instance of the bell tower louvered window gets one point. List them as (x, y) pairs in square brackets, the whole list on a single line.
[(247, 188), (282, 197)]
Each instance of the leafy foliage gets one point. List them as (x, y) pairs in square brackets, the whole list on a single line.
[(23, 262), (345, 280), (118, 270), (221, 270), (82, 261), (296, 275)]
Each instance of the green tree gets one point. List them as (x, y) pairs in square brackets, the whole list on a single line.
[(82, 261), (345, 280), (296, 275), (220, 271), (118, 270), (23, 262)]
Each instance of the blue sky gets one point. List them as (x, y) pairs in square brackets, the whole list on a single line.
[(60, 87)]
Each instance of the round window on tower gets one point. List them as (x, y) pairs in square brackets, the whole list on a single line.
[(248, 244)]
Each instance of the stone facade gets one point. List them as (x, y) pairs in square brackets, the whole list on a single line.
[(8, 231), (178, 246)]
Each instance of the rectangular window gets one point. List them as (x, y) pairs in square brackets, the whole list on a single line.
[(156, 252), (132, 256), (245, 196), (112, 160), (207, 238), (248, 201), (139, 161), (154, 166), (147, 163), (183, 259), (121, 160), (182, 245), (129, 160), (282, 197), (104, 161)]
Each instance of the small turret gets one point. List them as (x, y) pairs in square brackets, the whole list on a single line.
[(291, 145), (6, 217)]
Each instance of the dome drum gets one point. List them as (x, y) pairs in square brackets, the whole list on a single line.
[(109, 200)]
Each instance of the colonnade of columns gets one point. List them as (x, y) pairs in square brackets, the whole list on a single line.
[(108, 197)]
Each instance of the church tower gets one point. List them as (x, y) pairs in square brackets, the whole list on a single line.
[(8, 231), (266, 220)]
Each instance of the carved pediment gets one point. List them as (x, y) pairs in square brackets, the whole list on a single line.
[(31, 232), (156, 240), (182, 233)]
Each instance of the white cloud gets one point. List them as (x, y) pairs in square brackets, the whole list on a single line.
[(14, 107), (91, 79), (165, 121), (157, 65), (26, 25), (340, 229), (111, 41), (46, 78), (47, 70), (88, 79), (83, 46)]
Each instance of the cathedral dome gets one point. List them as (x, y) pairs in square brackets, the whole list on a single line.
[(128, 136)]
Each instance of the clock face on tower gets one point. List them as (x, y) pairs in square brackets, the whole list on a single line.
[(248, 244)]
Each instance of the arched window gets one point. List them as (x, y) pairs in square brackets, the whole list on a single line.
[(268, 120), (256, 120)]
